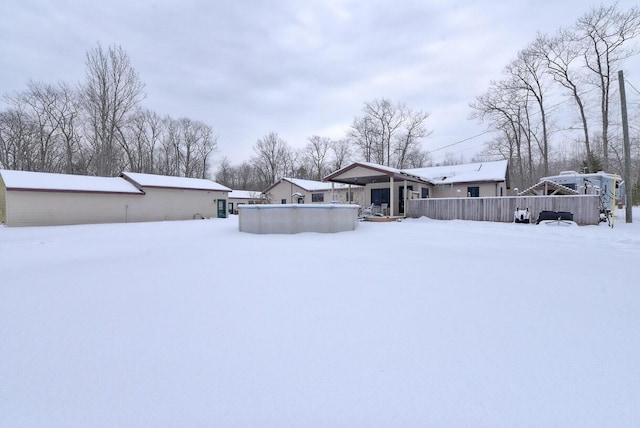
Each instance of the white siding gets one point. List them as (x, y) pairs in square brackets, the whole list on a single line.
[(451, 190), (33, 208), (285, 189), (60, 208), (3, 202), (174, 204)]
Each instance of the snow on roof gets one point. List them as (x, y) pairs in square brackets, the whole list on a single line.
[(315, 186), (380, 167), (244, 194), (27, 180), (153, 180), (548, 183), (465, 173), (309, 185), (578, 175)]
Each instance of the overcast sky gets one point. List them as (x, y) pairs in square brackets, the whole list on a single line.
[(298, 68)]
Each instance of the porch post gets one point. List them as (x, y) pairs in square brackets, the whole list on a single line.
[(333, 197), (391, 204), (406, 199)]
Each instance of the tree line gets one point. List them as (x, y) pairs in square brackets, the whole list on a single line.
[(556, 107), (386, 133), (99, 127)]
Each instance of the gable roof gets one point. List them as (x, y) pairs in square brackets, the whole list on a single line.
[(366, 172), (245, 194), (543, 187), (361, 173), (464, 173), (308, 185), (164, 181), (50, 182)]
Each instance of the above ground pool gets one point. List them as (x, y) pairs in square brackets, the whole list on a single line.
[(297, 218)]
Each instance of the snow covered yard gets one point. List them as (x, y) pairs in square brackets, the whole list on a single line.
[(415, 323)]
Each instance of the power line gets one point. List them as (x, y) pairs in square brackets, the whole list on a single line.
[(461, 141), (633, 87), (569, 99)]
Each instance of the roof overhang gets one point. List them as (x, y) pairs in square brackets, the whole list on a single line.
[(362, 174)]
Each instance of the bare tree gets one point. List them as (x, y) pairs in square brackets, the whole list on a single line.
[(39, 99), (186, 148), (407, 152), (143, 138), (341, 154), (526, 74), (207, 145), (561, 54), (316, 156), (272, 158), (386, 134), (418, 159), (51, 112), (363, 135), (17, 140), (111, 92), (67, 115), (502, 108), (225, 174), (605, 32), (383, 120), (248, 177)]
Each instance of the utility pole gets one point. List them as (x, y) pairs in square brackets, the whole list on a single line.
[(627, 150)]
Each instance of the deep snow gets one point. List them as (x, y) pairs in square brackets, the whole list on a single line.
[(414, 323)]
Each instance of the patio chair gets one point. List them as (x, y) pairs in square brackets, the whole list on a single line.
[(384, 210)]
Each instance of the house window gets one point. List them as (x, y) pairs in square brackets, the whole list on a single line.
[(230, 207), (317, 197), (425, 193), (380, 196), (473, 192), (283, 201)]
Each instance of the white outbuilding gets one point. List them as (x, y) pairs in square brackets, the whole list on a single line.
[(42, 199), (177, 198)]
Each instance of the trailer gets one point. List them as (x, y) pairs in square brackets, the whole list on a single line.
[(609, 187)]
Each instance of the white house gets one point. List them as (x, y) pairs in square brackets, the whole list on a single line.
[(299, 191), (389, 188)]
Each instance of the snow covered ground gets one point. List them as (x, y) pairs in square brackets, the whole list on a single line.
[(415, 323)]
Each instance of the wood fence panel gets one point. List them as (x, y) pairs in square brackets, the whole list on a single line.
[(585, 208)]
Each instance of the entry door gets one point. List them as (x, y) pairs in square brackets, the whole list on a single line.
[(401, 201), (222, 208)]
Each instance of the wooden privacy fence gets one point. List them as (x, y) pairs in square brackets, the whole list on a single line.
[(585, 208)]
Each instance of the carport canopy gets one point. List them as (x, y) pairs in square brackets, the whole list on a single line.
[(362, 173)]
